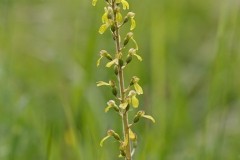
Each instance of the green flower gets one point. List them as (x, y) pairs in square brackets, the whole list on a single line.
[(106, 20), (111, 104), (124, 4), (110, 133), (133, 99), (142, 114), (133, 52), (137, 87), (103, 53), (128, 37), (131, 15)]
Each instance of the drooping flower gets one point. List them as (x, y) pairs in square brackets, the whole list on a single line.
[(142, 114), (103, 53), (133, 99), (131, 15), (137, 87), (111, 104)]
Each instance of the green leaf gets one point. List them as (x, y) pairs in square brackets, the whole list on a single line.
[(138, 88), (125, 4), (103, 28), (94, 2), (149, 117), (133, 24), (105, 138), (135, 102)]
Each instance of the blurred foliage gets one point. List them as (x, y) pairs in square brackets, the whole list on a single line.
[(50, 107)]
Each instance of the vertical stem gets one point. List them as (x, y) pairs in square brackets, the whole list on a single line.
[(124, 115), (122, 88)]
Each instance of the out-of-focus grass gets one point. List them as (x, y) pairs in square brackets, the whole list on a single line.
[(51, 109)]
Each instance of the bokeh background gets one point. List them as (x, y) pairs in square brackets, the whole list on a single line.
[(51, 109)]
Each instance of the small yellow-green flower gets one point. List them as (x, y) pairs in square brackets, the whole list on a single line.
[(133, 99), (125, 4), (106, 20), (131, 15), (111, 104), (133, 52), (137, 87), (142, 114), (103, 53), (110, 133)]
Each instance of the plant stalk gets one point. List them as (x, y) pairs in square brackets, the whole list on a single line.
[(122, 88)]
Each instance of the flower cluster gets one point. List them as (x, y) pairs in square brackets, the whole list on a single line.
[(123, 97)]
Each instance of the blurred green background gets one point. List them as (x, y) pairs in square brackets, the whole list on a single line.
[(51, 109)]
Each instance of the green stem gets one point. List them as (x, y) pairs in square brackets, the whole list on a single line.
[(124, 116), (122, 88)]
